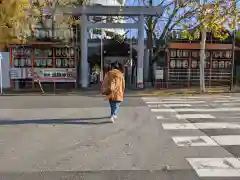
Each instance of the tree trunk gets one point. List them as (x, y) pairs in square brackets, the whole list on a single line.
[(150, 49), (150, 45), (3, 47), (202, 59)]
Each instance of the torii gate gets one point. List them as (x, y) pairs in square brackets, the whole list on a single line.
[(84, 11)]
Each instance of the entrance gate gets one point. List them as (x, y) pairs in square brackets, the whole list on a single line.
[(85, 11)]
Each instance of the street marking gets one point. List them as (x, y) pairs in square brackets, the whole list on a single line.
[(221, 101), (193, 98), (160, 117), (194, 141), (215, 167), (177, 105), (195, 116), (208, 125), (174, 102), (150, 98), (155, 105), (177, 100), (229, 117), (209, 97), (200, 110), (231, 104), (227, 140), (174, 126), (163, 110)]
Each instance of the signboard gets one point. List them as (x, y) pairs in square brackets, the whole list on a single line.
[(16, 73), (44, 74), (29, 73), (178, 53), (159, 74), (55, 74), (179, 63)]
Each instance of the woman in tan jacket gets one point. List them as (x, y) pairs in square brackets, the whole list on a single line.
[(113, 88)]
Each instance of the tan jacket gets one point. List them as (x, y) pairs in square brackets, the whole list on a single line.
[(115, 83)]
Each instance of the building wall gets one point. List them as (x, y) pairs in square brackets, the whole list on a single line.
[(5, 70)]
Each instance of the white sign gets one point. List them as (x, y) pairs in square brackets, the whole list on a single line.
[(55, 74), (159, 74), (1, 74), (16, 73)]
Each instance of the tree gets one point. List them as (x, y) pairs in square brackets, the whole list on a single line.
[(51, 22), (18, 19), (157, 28), (13, 18), (47, 22), (215, 17)]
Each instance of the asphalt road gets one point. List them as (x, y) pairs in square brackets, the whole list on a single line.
[(69, 137), (51, 101), (204, 124)]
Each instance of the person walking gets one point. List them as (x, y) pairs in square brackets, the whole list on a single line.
[(113, 88)]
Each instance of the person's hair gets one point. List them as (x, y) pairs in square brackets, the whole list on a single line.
[(117, 65), (108, 68)]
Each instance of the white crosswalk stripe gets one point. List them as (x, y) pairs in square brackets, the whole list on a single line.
[(216, 167), (159, 117), (194, 141), (216, 122), (228, 140), (207, 125), (194, 116), (198, 110), (174, 102), (177, 105)]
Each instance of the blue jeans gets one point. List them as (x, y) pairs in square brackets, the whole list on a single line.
[(114, 105)]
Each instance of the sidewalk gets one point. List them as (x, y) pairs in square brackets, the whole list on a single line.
[(183, 92), (129, 92)]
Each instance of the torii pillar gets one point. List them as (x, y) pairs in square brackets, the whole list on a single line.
[(84, 52), (140, 56)]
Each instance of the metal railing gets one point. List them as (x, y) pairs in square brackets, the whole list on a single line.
[(190, 78)]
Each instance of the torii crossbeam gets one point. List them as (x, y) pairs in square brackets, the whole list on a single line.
[(85, 11)]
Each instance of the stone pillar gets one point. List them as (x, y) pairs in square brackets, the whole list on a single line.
[(140, 52), (84, 52)]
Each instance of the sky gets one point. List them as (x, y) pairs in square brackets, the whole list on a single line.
[(140, 2), (155, 2), (133, 32)]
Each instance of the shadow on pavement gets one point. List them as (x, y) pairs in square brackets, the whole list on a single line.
[(84, 121), (108, 175)]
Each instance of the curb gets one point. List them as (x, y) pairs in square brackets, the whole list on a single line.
[(183, 93)]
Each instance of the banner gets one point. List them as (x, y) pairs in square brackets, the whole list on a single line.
[(54, 74), (17, 73)]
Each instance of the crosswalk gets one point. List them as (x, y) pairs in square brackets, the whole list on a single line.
[(218, 119)]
